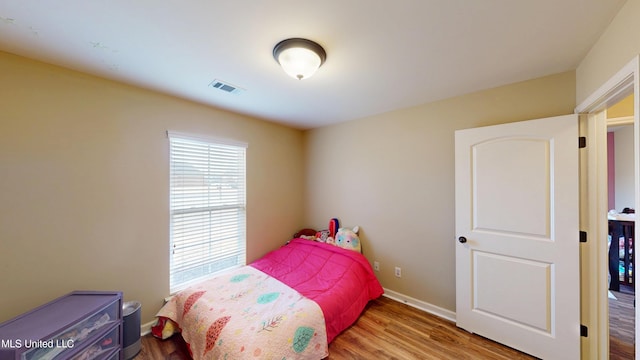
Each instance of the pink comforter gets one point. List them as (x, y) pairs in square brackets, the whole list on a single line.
[(340, 281)]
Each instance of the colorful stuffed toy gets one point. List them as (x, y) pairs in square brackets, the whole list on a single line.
[(326, 236), (164, 328), (334, 225), (322, 235), (348, 239)]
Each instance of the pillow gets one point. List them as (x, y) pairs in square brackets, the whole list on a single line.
[(305, 232), (348, 239)]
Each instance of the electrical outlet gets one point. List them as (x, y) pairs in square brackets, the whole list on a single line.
[(398, 271), (376, 266)]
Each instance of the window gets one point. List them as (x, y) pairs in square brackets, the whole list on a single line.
[(207, 205)]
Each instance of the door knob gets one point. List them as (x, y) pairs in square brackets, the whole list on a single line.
[(462, 239)]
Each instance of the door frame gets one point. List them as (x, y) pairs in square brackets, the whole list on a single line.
[(594, 207)]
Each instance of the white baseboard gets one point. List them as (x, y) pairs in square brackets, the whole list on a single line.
[(422, 305)]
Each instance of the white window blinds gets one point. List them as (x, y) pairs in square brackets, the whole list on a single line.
[(207, 204)]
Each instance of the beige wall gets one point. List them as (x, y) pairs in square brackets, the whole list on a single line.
[(623, 108), (625, 196), (84, 184), (618, 45), (393, 174)]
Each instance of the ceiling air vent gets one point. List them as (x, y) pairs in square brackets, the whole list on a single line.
[(226, 87)]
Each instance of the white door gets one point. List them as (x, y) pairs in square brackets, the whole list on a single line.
[(517, 248)]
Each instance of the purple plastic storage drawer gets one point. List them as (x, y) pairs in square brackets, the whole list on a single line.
[(81, 325)]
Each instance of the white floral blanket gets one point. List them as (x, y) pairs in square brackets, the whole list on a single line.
[(246, 314)]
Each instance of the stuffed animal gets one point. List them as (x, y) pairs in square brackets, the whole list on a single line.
[(164, 328), (348, 239), (334, 225), (322, 235), (304, 232)]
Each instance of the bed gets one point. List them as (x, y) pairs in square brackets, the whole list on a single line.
[(289, 304)]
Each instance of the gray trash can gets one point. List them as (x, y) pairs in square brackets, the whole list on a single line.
[(131, 332)]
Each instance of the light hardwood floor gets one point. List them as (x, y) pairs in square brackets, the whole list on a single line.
[(386, 330), (621, 326)]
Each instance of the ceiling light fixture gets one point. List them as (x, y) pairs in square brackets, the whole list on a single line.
[(300, 58)]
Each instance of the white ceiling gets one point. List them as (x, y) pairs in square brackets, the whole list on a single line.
[(381, 55)]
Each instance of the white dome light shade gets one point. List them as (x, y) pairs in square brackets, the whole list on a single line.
[(299, 63), (300, 58)]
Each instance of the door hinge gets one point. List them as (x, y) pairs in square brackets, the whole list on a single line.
[(584, 331), (583, 236), (582, 142)]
